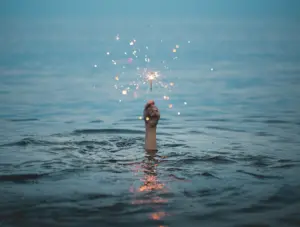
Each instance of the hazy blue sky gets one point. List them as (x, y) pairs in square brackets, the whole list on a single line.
[(151, 8)]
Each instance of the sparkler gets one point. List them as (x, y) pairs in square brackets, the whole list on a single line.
[(152, 76)]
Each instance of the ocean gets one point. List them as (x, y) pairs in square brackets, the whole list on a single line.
[(71, 139)]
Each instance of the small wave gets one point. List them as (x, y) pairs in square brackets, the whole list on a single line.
[(172, 145), (27, 141), (276, 122), (18, 178), (224, 129), (259, 176), (106, 131), (219, 159), (96, 121), (207, 174), (23, 119), (263, 134), (214, 159)]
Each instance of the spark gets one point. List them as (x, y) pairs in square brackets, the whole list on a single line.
[(147, 118), (107, 53), (174, 50), (124, 92)]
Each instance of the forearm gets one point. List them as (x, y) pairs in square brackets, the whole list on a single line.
[(150, 138)]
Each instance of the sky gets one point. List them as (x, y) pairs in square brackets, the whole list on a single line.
[(155, 8)]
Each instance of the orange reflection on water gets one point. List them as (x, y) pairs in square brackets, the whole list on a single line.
[(150, 184), (158, 215)]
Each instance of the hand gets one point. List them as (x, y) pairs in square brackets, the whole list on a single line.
[(151, 114)]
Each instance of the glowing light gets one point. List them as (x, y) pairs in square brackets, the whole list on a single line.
[(158, 215), (131, 43), (147, 118), (124, 92), (174, 50), (120, 100), (134, 52), (125, 53), (140, 118), (170, 106), (114, 62), (118, 37), (185, 103), (107, 53), (189, 41), (177, 46), (166, 97), (212, 69), (95, 66), (178, 113), (117, 78), (171, 84)]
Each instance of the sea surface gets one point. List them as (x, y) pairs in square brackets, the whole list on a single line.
[(71, 143)]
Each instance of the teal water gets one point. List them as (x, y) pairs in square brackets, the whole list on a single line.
[(71, 144)]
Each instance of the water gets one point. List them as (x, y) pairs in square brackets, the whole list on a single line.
[(71, 152)]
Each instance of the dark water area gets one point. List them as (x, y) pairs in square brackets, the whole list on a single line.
[(71, 145)]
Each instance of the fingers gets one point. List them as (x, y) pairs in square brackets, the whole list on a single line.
[(149, 103)]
